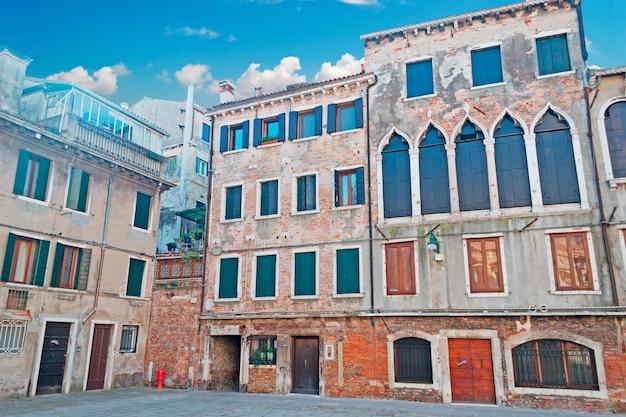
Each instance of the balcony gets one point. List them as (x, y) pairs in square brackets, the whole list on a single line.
[(179, 266)]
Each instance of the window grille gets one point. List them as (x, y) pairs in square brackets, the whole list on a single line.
[(16, 300), (12, 336), (128, 342), (263, 350)]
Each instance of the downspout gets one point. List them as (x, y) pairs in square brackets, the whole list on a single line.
[(207, 218), (185, 153), (369, 195), (103, 246), (603, 221)]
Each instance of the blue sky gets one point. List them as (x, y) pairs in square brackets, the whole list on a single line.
[(125, 50)]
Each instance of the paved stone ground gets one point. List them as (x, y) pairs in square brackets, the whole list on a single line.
[(140, 402)]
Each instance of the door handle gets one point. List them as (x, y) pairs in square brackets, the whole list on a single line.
[(305, 362), (463, 362)]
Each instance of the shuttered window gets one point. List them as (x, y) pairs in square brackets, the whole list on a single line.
[(135, 277), (412, 361), (345, 116), (206, 132), (553, 55), (400, 268), (570, 260), (306, 198), (471, 169), (234, 137), (434, 179), (396, 178), (25, 260), (486, 66), (202, 167), (142, 211), (615, 124), (305, 124), (511, 165), (419, 78), (233, 202), (269, 198), (485, 265), (348, 271), (31, 177), (349, 187), (269, 130), (265, 276), (304, 273), (71, 267), (229, 274), (78, 190)]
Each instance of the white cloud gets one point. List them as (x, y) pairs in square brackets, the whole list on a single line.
[(361, 2), (231, 38), (347, 65), (164, 76), (189, 31), (196, 74), (103, 81), (272, 80)]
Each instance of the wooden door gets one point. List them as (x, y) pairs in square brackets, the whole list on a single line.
[(53, 356), (471, 371), (306, 375), (99, 356)]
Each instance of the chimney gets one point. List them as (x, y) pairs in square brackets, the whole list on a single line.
[(12, 73), (227, 91)]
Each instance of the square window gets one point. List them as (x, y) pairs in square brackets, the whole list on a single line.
[(142, 211), (12, 337), (306, 193), (571, 261), (485, 265), (202, 167), (349, 187), (31, 177), (345, 116), (419, 78), (305, 270), (134, 285), (25, 260), (78, 190), (71, 267), (400, 268), (305, 123), (269, 198), (128, 340), (233, 201), (348, 271), (263, 350), (228, 278), (553, 55), (265, 284), (486, 66), (16, 300)]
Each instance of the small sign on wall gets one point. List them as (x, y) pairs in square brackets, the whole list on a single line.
[(329, 352)]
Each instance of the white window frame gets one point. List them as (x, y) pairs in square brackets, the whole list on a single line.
[(548, 34), (152, 204), (255, 255), (67, 192), (306, 110), (406, 84), (217, 279), (505, 281), (294, 193), (487, 46), (415, 266), (434, 360), (223, 202), (135, 333), (144, 278), (259, 196), (351, 295), (317, 274), (204, 167), (8, 327)]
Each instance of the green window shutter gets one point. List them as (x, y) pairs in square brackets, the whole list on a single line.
[(305, 273), (206, 132), (332, 118), (78, 265), (8, 258), (293, 125), (229, 271), (337, 189), (39, 274), (233, 203), (318, 120), (142, 211), (135, 277), (301, 194), (20, 174), (223, 138), (266, 276), (83, 271), (358, 113), (360, 185), (348, 271), (42, 179), (281, 127), (58, 263), (246, 133), (84, 189), (257, 129)]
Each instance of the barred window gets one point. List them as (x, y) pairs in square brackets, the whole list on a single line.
[(16, 300), (551, 363), (412, 360), (12, 336), (128, 342), (263, 350)]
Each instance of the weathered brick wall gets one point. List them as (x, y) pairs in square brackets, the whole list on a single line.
[(262, 379), (224, 363)]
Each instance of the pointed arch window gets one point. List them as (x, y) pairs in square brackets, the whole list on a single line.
[(615, 124), (555, 157), (511, 165), (471, 168), (396, 178), (434, 181)]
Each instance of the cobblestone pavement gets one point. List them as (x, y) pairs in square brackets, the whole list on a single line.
[(138, 402)]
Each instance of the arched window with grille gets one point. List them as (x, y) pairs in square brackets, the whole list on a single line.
[(412, 361)]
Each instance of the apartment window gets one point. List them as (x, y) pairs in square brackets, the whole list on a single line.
[(571, 262), (202, 167), (553, 55), (31, 177), (305, 124), (434, 180), (269, 198), (265, 276), (233, 200), (128, 341), (206, 132), (419, 78), (400, 268), (306, 192), (345, 116), (142, 211), (234, 137), (396, 178), (134, 285), (348, 271), (486, 66), (349, 187), (305, 270), (16, 300), (471, 169), (615, 125), (12, 337), (269, 130), (412, 361), (552, 363), (228, 276), (71, 267), (25, 260), (485, 265), (511, 164), (263, 350), (78, 190)]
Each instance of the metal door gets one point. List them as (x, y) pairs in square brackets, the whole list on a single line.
[(53, 356), (99, 356), (306, 375), (471, 371)]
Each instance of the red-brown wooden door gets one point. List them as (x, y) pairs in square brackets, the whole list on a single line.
[(471, 371), (99, 356), (306, 374)]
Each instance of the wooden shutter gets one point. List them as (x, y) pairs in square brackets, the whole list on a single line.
[(293, 125), (304, 273), (266, 276), (358, 113), (83, 272), (318, 120), (246, 134), (396, 179), (223, 138), (20, 173), (419, 78), (511, 165), (84, 189), (615, 124), (331, 125), (41, 261), (42, 179), (486, 66), (471, 167), (8, 258), (58, 264), (269, 198), (257, 130), (348, 271), (281, 127), (360, 185), (337, 189), (434, 180), (301, 197), (142, 211), (135, 277), (228, 278), (400, 268), (206, 132)]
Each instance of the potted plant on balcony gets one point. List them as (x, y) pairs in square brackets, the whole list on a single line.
[(188, 256), (172, 246), (198, 233), (185, 237), (265, 140)]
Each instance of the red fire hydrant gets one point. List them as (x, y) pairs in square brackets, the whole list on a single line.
[(160, 377)]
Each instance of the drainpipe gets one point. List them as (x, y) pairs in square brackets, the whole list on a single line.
[(103, 246), (207, 217), (369, 195), (603, 221), (186, 150)]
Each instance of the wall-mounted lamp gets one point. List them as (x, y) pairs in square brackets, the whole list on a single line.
[(433, 242)]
